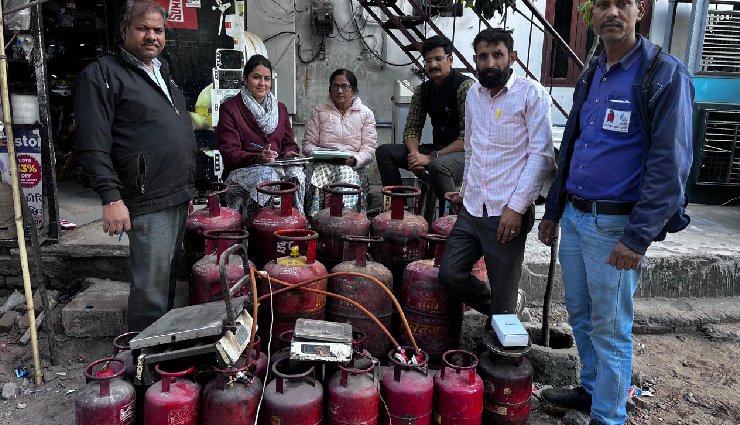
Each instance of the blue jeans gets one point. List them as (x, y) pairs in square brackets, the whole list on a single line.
[(155, 240), (599, 302)]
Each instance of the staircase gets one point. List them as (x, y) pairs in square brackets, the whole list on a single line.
[(404, 30)]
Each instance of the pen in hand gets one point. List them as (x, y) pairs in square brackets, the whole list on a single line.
[(273, 154)]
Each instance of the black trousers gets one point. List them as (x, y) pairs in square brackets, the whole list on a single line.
[(444, 172), (475, 236)]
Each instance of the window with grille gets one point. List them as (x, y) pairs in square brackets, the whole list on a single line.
[(721, 49), (720, 157)]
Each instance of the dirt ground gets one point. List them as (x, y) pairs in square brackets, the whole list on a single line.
[(694, 380)]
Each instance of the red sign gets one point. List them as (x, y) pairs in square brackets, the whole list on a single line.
[(180, 16), (29, 171)]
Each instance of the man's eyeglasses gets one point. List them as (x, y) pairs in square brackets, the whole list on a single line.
[(338, 87), (429, 61)]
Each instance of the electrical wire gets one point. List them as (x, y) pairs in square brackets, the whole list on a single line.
[(269, 343)]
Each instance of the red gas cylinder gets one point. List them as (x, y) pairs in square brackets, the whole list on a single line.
[(106, 399), (214, 217), (172, 400), (400, 231), (371, 296), (289, 306), (507, 380), (434, 318), (258, 358), (231, 398), (443, 226), (335, 221), (267, 220), (122, 351), (205, 285), (408, 391), (294, 397), (458, 390), (353, 397)]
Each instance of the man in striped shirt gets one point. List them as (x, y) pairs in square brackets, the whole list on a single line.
[(508, 154)]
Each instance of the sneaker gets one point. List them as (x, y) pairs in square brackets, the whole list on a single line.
[(576, 398)]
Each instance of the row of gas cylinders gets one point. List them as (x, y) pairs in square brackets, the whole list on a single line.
[(297, 394), (399, 242)]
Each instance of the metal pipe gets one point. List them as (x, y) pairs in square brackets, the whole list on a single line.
[(695, 41), (17, 202)]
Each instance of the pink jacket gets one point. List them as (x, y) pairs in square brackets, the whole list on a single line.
[(353, 132)]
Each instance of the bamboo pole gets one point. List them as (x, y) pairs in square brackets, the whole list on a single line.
[(17, 202)]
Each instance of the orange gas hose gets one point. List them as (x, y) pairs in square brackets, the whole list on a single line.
[(290, 286)]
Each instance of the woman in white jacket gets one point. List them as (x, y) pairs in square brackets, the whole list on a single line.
[(342, 123)]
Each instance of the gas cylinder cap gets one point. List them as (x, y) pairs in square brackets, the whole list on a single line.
[(295, 251)]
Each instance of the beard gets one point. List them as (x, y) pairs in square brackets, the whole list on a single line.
[(494, 77)]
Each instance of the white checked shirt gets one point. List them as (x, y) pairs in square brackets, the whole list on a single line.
[(508, 146)]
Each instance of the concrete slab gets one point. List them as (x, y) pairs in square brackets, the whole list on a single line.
[(98, 311), (701, 261)]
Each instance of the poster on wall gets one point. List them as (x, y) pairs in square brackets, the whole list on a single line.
[(28, 155), (180, 17)]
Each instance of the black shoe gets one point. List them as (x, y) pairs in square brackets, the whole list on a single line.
[(576, 398)]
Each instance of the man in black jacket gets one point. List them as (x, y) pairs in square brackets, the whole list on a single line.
[(442, 98), (136, 143)]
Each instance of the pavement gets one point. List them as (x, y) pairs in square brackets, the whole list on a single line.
[(702, 261)]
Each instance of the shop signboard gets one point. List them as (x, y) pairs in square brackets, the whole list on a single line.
[(28, 155)]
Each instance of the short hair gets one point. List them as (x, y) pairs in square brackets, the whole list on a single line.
[(435, 42), (255, 61), (494, 36), (140, 7), (347, 73)]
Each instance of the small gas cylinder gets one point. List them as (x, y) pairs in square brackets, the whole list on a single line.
[(294, 397), (268, 219), (336, 221), (172, 400), (507, 383), (353, 397), (291, 305), (231, 398), (106, 399), (122, 351), (433, 316), (408, 390), (443, 226), (205, 285), (458, 390), (214, 217), (367, 293), (258, 358)]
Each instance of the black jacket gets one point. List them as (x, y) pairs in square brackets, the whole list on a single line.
[(131, 141), (440, 103)]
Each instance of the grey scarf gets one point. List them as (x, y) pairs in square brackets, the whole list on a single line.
[(265, 114)]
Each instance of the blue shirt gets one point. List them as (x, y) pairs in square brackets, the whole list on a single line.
[(607, 157), (154, 74)]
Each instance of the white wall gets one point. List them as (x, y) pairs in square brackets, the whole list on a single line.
[(376, 79)]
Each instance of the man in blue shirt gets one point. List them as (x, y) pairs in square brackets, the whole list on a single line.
[(623, 167)]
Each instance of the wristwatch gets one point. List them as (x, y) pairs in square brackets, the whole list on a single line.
[(434, 154)]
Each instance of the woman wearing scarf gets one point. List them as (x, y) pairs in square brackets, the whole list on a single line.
[(254, 130), (341, 123)]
